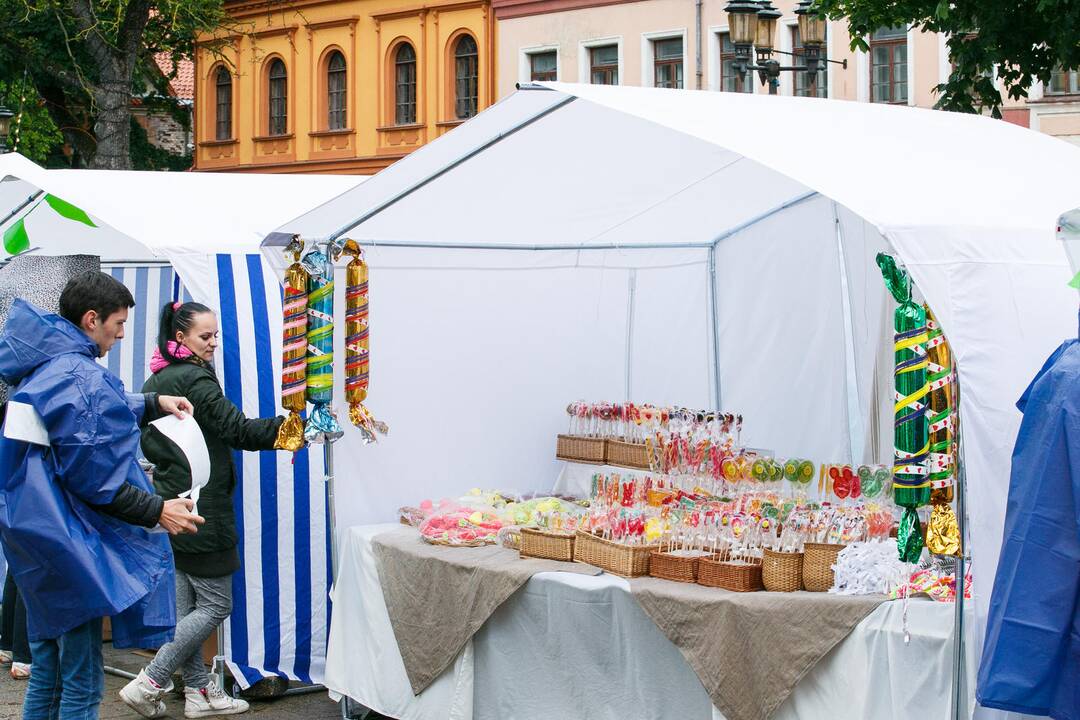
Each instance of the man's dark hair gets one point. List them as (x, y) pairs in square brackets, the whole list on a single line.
[(93, 290)]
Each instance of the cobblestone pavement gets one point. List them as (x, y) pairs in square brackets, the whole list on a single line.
[(312, 706)]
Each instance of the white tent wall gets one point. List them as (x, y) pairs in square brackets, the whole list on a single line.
[(475, 356)]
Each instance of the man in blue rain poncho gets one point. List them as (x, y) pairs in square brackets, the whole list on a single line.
[(74, 504), (1031, 657)]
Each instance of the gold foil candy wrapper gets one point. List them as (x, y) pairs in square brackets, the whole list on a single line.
[(941, 495), (291, 434), (943, 531), (362, 418)]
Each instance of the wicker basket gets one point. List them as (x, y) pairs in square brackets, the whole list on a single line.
[(616, 558), (509, 537), (817, 566), (674, 567), (547, 545), (737, 577), (627, 454), (581, 449), (782, 572)]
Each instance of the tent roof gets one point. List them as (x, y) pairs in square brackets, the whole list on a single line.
[(544, 154), (144, 213)]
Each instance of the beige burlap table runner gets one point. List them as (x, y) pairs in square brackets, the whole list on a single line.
[(438, 596), (749, 649)]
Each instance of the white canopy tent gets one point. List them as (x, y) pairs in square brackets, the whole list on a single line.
[(701, 249), (171, 236)]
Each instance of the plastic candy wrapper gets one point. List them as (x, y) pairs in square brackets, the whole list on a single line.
[(357, 358), (943, 531), (461, 527), (868, 568), (294, 352), (940, 586), (911, 484), (321, 426)]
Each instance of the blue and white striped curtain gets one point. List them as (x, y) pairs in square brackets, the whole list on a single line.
[(281, 604)]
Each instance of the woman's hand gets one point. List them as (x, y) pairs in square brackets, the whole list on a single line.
[(177, 518), (178, 406)]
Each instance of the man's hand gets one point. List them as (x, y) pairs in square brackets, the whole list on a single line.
[(178, 406), (176, 515)]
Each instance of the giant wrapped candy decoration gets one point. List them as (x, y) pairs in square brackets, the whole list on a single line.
[(911, 484), (321, 426), (943, 531), (357, 343), (294, 352)]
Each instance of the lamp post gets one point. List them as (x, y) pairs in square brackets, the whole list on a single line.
[(5, 127), (752, 26)]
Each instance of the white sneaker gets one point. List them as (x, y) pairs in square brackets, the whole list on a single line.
[(211, 700), (144, 697), (5, 657)]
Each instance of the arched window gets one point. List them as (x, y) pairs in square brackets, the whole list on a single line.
[(279, 118), (465, 65), (405, 85), (223, 117), (335, 91)]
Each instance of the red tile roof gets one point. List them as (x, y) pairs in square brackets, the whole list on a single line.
[(183, 85)]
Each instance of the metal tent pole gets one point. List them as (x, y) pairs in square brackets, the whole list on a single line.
[(961, 570), (715, 329)]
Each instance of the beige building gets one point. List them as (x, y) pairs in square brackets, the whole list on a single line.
[(654, 43)]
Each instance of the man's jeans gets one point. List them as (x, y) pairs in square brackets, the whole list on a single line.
[(68, 676)]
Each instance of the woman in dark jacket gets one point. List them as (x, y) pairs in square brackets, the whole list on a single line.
[(205, 562)]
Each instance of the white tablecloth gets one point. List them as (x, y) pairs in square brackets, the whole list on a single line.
[(573, 646)]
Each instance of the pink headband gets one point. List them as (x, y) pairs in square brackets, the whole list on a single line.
[(177, 305)]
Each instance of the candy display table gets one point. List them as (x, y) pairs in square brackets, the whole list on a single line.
[(576, 646)]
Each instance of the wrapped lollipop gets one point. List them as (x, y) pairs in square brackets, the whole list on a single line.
[(321, 426), (943, 531), (911, 484), (357, 343), (294, 351)]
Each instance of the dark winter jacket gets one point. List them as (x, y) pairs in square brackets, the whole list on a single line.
[(212, 551)]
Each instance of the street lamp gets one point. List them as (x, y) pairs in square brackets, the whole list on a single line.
[(753, 24), (812, 31), (5, 127)]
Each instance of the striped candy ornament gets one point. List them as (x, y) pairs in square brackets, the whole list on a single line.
[(357, 349), (321, 425), (294, 355), (911, 437)]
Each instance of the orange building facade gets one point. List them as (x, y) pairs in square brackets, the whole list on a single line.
[(336, 86)]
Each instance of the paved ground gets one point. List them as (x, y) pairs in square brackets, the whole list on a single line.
[(314, 706)]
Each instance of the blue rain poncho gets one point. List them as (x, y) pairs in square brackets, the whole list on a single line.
[(1031, 657), (72, 563)]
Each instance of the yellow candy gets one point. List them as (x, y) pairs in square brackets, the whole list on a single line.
[(476, 518)]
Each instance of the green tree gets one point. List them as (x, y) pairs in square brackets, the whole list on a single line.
[(1024, 39), (33, 132), (85, 58)]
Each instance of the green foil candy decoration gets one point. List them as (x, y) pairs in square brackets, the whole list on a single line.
[(911, 481)]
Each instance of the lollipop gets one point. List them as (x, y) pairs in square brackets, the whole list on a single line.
[(791, 470), (806, 472)]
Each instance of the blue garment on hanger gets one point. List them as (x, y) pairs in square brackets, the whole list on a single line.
[(71, 562), (1031, 656)]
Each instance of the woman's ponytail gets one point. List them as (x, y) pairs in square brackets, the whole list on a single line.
[(176, 317)]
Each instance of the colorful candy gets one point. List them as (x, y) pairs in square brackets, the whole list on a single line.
[(911, 484), (321, 425), (357, 360), (943, 531), (294, 351)]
